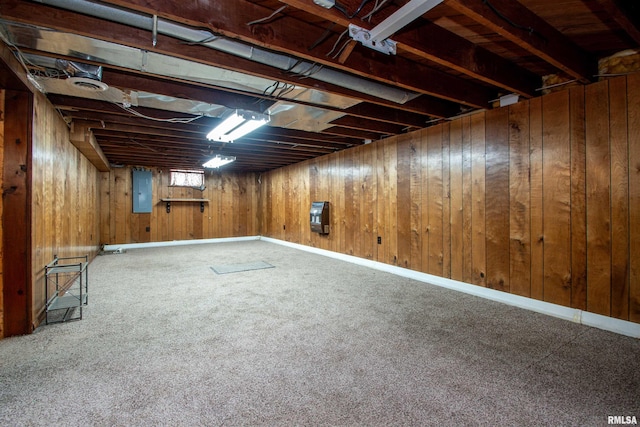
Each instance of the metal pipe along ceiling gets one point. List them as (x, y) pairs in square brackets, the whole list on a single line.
[(208, 39)]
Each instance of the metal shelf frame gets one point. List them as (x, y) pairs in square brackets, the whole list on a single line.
[(66, 287)]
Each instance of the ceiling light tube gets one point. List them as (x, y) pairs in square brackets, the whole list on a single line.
[(236, 125), (246, 128), (218, 161), (402, 17)]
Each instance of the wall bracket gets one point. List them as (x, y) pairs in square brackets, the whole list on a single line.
[(386, 46)]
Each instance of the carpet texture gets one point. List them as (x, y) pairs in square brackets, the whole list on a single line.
[(315, 341), (237, 268)]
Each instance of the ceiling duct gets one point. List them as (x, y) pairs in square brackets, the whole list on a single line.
[(83, 76), (206, 38)]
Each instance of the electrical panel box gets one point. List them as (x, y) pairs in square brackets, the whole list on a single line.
[(319, 217), (142, 202)]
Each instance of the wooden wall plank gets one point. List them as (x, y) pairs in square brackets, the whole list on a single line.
[(446, 201), (423, 137), (497, 198), (367, 202), (619, 198), (519, 198), (578, 200), (290, 191), (349, 212), (598, 198), (356, 194), (336, 212), (414, 203), (467, 202), (2, 108), (455, 177), (310, 191), (633, 108), (404, 201), (244, 203), (105, 211), (391, 163), (556, 175), (435, 200), (536, 198), (382, 194), (478, 194)]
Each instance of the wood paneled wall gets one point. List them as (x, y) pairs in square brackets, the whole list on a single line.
[(230, 212), (65, 198), (539, 199), (2, 105)]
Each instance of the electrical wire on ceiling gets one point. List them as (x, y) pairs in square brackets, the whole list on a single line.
[(24, 62), (377, 6), (282, 89), (341, 8), (344, 33), (202, 42), (323, 37), (308, 72), (344, 45), (33, 72), (126, 106), (502, 16), (268, 18), (354, 14)]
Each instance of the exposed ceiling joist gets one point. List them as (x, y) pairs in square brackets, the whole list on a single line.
[(626, 13), (67, 21), (160, 92), (518, 24), (300, 39), (445, 48)]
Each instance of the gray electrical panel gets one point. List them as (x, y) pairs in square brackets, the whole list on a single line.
[(319, 217), (142, 202)]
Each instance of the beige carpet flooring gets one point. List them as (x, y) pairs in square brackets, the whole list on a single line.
[(165, 341)]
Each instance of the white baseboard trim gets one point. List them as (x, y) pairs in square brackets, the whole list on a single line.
[(611, 324), (178, 243)]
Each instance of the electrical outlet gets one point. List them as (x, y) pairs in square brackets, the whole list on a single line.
[(379, 240)]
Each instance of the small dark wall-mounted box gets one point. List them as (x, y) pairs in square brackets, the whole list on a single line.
[(319, 217)]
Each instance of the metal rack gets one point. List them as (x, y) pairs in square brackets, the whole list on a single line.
[(66, 287)]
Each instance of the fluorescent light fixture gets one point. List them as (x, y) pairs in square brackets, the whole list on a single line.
[(218, 161), (236, 125), (509, 99), (402, 17)]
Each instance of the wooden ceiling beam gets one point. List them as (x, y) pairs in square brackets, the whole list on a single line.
[(295, 37), (364, 124), (445, 48), (353, 133), (626, 13), (125, 149), (63, 20), (366, 110), (516, 23), (257, 146)]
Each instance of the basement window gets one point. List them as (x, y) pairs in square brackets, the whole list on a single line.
[(186, 178)]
